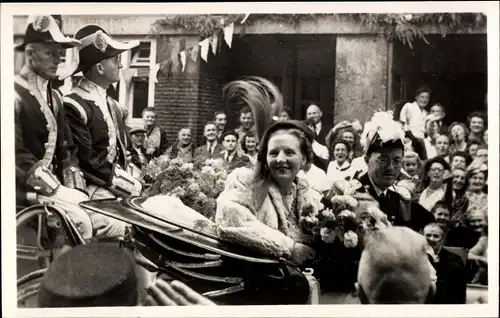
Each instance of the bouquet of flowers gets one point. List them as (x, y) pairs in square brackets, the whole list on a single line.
[(197, 184), (346, 216)]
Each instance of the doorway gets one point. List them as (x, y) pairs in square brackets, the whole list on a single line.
[(302, 66), (453, 67)]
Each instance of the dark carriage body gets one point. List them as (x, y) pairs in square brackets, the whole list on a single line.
[(191, 252)]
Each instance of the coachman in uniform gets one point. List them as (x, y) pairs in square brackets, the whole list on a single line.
[(384, 157), (46, 164), (97, 121)]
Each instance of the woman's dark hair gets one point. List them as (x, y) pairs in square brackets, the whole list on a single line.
[(425, 180), (462, 154), (478, 114), (340, 141), (249, 134), (305, 146), (441, 204)]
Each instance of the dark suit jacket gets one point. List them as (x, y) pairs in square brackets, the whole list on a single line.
[(90, 133), (236, 162), (325, 129), (451, 279), (201, 153), (32, 131), (400, 210)]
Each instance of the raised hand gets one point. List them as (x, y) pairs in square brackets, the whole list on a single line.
[(176, 293)]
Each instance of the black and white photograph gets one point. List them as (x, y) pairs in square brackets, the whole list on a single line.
[(249, 155)]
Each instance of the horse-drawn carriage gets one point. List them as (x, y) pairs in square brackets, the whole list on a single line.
[(187, 250)]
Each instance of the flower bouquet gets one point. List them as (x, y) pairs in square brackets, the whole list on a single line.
[(196, 184), (343, 221)]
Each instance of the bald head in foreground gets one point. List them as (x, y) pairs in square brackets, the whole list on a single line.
[(395, 268)]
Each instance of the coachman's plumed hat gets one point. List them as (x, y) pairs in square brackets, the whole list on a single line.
[(382, 132), (45, 29), (96, 46), (92, 275)]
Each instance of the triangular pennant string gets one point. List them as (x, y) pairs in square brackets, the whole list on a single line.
[(194, 53), (183, 60), (215, 43), (228, 34), (245, 18), (115, 85), (205, 46)]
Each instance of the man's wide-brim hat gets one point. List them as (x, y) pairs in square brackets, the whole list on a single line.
[(44, 29), (96, 46)]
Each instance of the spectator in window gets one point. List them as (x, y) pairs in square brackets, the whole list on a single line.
[(413, 114), (459, 159), (320, 128), (156, 141), (395, 268), (477, 125), (220, 120), (473, 144), (184, 147), (458, 135), (249, 145), (439, 111), (443, 146), (451, 285), (212, 147), (433, 184)]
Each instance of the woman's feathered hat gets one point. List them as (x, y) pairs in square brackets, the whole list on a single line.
[(44, 29), (96, 46), (383, 132)]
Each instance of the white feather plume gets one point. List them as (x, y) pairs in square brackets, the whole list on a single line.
[(387, 128)]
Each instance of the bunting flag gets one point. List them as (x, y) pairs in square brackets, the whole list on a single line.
[(115, 85), (183, 60), (194, 53), (228, 34), (205, 45), (245, 18), (154, 72), (215, 43)]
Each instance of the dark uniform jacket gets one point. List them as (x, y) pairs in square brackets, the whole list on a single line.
[(451, 279), (98, 130), (41, 134), (398, 206)]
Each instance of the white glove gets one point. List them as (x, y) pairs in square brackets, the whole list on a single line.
[(68, 199)]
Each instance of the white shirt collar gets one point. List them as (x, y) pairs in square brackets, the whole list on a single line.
[(378, 191), (42, 84)]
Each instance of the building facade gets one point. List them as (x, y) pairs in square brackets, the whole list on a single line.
[(347, 69)]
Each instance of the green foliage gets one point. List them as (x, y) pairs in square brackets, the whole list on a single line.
[(406, 28)]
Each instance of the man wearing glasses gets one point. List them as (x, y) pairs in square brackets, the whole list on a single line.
[(384, 157)]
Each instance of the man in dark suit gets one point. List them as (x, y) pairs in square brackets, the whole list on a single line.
[(450, 269), (46, 164), (232, 157), (384, 158), (212, 147), (320, 128)]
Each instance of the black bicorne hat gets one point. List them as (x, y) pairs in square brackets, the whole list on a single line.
[(92, 275), (44, 29), (378, 144), (97, 45)]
